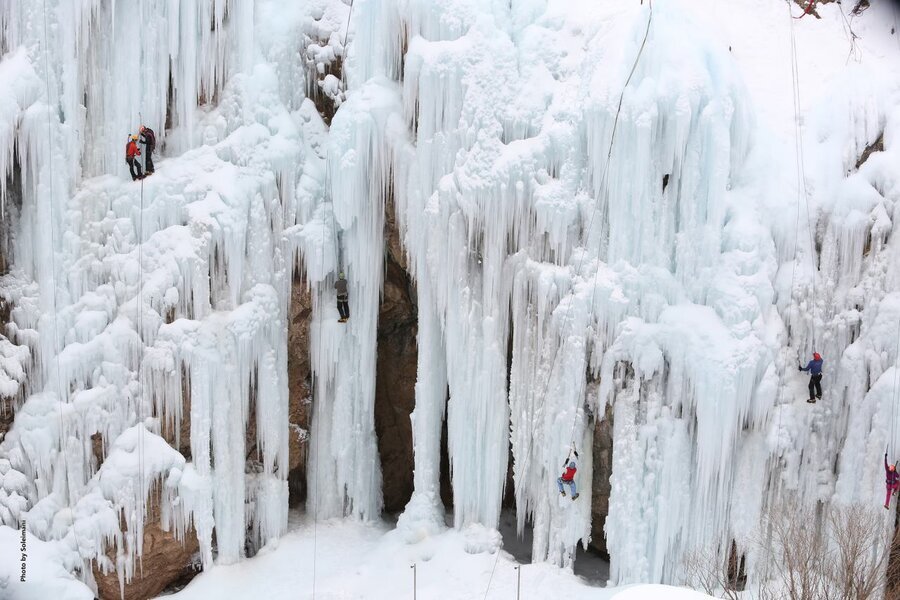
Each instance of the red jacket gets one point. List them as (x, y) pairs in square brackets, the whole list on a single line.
[(569, 475), (132, 150)]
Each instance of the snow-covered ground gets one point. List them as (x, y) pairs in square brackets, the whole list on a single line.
[(546, 252), (353, 560), (40, 564)]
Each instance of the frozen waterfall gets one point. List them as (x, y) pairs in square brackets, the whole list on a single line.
[(661, 254)]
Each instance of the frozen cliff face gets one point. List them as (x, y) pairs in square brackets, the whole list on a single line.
[(683, 262), (528, 220), (159, 302), (602, 212)]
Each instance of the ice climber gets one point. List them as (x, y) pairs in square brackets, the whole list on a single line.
[(131, 153), (343, 298), (815, 376), (892, 481), (568, 477), (148, 139)]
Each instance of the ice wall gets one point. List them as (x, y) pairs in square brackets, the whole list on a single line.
[(577, 244), (534, 249), (147, 305), (347, 477), (653, 270)]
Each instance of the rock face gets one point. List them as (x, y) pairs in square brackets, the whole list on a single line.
[(7, 413), (300, 390), (396, 373), (165, 560), (603, 448)]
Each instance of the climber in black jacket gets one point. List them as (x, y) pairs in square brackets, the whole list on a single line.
[(148, 139), (343, 298)]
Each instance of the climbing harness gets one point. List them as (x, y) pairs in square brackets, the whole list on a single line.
[(605, 187)]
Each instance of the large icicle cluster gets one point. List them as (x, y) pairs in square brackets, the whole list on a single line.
[(139, 300), (642, 271), (510, 205)]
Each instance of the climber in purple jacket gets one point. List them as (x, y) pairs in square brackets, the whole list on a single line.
[(891, 480), (815, 376)]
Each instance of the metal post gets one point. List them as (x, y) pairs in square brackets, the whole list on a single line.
[(518, 583), (413, 567)]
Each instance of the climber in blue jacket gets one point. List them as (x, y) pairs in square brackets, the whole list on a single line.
[(815, 376)]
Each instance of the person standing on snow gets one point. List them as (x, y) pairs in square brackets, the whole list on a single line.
[(892, 481), (148, 139), (568, 476), (815, 377), (343, 298), (131, 153)]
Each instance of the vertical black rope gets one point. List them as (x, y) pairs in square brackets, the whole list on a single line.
[(139, 317), (802, 192), (61, 387)]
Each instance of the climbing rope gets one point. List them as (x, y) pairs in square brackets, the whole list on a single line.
[(851, 35), (344, 48), (336, 235), (140, 307), (61, 388), (337, 244), (896, 29), (605, 182), (802, 198), (140, 364), (895, 396), (604, 191), (139, 318), (802, 192), (346, 31), (337, 241), (316, 478)]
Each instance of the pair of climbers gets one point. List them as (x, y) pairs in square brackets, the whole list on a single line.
[(148, 138), (892, 481), (815, 377), (570, 467)]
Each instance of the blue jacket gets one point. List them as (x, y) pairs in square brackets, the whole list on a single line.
[(814, 367)]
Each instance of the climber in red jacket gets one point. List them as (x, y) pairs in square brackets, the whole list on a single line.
[(568, 476), (131, 153)]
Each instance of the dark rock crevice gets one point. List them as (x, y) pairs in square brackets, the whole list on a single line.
[(396, 370), (876, 146), (600, 486), (299, 390)]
